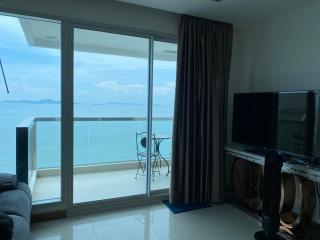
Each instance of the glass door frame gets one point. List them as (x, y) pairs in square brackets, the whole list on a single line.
[(149, 194)]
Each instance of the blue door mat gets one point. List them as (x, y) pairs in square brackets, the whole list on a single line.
[(181, 207)]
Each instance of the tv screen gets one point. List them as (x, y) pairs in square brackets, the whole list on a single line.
[(295, 122), (284, 121), (254, 119)]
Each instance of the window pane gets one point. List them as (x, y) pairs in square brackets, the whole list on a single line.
[(164, 82)]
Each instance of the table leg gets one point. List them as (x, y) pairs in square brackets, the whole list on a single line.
[(158, 142), (165, 160)]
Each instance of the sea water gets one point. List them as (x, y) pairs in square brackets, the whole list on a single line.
[(95, 142)]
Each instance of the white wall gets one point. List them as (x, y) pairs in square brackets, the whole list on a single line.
[(107, 12), (286, 51), (240, 72), (279, 54)]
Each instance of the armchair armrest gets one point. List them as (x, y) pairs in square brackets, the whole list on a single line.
[(7, 181)]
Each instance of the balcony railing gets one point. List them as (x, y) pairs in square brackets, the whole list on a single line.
[(98, 141)]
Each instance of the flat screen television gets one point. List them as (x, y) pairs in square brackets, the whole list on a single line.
[(285, 121), (254, 119)]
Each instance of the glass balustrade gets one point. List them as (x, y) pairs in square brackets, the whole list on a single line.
[(104, 145)]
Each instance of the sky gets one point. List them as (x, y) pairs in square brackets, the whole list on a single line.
[(34, 73)]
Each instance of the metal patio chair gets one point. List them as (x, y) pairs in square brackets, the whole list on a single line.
[(141, 145)]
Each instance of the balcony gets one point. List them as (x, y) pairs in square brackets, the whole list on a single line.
[(105, 157)]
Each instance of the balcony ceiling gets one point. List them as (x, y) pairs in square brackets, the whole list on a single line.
[(233, 11), (47, 35)]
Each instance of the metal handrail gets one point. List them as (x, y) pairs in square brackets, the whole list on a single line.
[(106, 119), (30, 120), (27, 122)]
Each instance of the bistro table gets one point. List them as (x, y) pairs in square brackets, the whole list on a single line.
[(157, 141)]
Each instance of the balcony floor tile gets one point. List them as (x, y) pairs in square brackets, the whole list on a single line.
[(100, 185)]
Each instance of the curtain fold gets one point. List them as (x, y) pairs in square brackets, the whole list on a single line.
[(199, 131)]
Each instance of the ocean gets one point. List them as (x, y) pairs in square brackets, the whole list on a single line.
[(95, 142)]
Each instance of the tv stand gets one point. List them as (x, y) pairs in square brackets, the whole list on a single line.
[(257, 151), (289, 167)]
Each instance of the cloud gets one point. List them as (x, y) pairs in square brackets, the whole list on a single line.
[(110, 62), (106, 85), (36, 73), (136, 88), (164, 90), (165, 65), (131, 88), (31, 81), (25, 90)]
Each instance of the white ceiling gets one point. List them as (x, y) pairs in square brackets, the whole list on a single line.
[(233, 11)]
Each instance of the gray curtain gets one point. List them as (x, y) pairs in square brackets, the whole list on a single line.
[(199, 134)]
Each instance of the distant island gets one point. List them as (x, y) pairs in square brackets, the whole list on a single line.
[(51, 101), (41, 101)]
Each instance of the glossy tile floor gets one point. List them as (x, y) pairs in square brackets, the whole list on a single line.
[(156, 222), (100, 185)]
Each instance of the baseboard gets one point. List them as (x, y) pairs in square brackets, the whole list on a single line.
[(41, 217)]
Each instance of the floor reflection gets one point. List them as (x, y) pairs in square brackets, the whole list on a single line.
[(152, 223)]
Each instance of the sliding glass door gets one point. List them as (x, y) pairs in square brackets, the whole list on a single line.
[(30, 102), (110, 115), (123, 92)]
